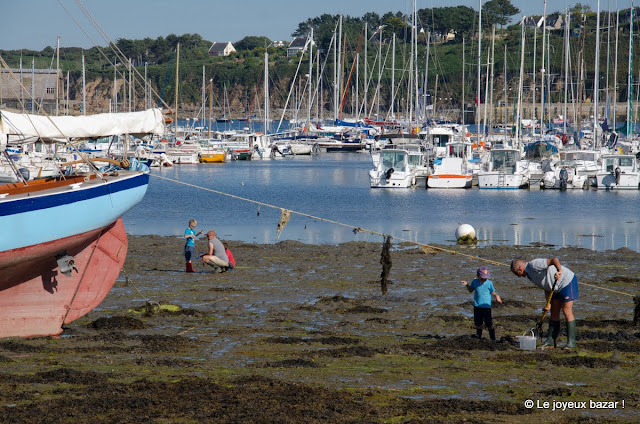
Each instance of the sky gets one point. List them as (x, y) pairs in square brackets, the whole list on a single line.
[(36, 24)]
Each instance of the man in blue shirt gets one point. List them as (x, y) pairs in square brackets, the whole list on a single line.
[(482, 289)]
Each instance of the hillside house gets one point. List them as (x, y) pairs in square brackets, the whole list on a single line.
[(555, 22), (297, 45), (221, 49)]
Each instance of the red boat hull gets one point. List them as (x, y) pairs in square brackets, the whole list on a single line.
[(36, 299)]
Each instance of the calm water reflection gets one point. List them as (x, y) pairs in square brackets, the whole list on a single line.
[(336, 187)]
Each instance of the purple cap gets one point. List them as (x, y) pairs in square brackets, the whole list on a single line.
[(483, 272)]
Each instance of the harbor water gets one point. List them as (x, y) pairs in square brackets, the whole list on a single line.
[(335, 187)]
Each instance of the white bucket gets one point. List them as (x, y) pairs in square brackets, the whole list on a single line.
[(528, 342)]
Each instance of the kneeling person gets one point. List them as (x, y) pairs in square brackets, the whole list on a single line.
[(216, 256)]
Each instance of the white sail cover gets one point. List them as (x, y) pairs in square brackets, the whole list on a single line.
[(150, 121)]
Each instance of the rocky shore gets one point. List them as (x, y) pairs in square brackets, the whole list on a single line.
[(303, 333)]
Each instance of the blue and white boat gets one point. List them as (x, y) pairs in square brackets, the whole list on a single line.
[(63, 244)]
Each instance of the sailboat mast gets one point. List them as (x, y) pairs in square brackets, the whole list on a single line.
[(130, 87), (57, 77), (479, 70), (608, 56), (410, 102), (204, 93), (506, 99), (491, 117), (338, 70), (596, 77), (366, 80), (520, 80), (379, 73), (630, 76), (266, 93), (566, 70), (146, 90), (115, 86), (319, 82), (393, 73), (615, 72), (414, 40), (548, 84), (426, 75), (210, 107), (84, 89), (310, 76), (534, 72), (542, 69), (487, 95), (581, 71), (22, 83), (175, 115), (357, 84), (67, 98), (463, 73), (32, 86)]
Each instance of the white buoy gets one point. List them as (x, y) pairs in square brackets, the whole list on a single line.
[(465, 233)]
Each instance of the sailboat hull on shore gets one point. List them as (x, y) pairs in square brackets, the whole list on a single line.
[(62, 244), (37, 299), (63, 247)]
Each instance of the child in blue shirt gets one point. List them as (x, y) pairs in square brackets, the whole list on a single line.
[(482, 289), (189, 246)]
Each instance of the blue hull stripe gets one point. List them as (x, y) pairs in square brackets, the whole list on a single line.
[(36, 202), (53, 216)]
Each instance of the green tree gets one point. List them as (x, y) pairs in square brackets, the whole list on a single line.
[(499, 12), (396, 24), (373, 19), (252, 42), (442, 20)]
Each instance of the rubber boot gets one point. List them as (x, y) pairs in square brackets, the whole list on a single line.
[(479, 333), (492, 334), (552, 334), (571, 334), (190, 267)]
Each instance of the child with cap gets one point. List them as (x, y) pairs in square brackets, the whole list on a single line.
[(482, 289)]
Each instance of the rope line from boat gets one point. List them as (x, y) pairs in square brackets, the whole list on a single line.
[(425, 247), (151, 306)]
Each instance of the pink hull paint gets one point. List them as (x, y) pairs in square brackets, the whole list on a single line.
[(36, 298)]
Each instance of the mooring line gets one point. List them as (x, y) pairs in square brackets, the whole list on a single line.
[(129, 280), (364, 230), (604, 288)]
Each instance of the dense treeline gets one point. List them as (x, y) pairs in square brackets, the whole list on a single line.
[(240, 74)]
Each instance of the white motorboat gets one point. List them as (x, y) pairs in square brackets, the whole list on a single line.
[(618, 172), (438, 138), (563, 176), (397, 168), (504, 170), (454, 170), (184, 152), (586, 161)]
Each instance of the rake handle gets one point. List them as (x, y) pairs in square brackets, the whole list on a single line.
[(544, 311)]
